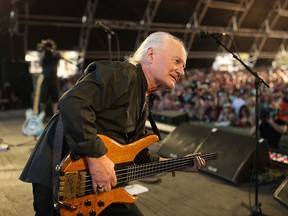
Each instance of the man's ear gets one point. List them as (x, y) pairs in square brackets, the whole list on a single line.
[(150, 54)]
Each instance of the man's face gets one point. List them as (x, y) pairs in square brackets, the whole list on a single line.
[(168, 65)]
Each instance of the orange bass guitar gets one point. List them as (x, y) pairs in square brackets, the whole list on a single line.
[(76, 196)]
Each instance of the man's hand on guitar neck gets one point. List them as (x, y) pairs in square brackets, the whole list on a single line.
[(102, 174), (198, 163)]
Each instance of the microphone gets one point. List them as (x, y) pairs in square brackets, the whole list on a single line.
[(205, 34), (105, 27)]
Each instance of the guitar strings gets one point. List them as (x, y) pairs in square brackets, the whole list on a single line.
[(137, 171), (150, 167), (138, 175), (178, 164)]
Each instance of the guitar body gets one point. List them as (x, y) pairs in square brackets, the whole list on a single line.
[(33, 125), (74, 201), (76, 195)]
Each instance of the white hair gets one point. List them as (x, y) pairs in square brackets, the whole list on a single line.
[(155, 40)]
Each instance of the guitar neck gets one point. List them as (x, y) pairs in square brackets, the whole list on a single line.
[(37, 94), (136, 172)]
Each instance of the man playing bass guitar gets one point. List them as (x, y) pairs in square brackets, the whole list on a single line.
[(112, 99)]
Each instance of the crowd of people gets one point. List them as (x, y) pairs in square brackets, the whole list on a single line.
[(220, 96), (228, 98)]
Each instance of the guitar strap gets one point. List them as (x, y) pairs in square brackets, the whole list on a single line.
[(57, 157), (146, 113), (150, 116), (153, 125)]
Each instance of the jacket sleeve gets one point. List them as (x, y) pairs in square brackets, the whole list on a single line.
[(80, 107), (80, 129)]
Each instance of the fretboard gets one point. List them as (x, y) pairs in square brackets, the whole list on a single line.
[(135, 172)]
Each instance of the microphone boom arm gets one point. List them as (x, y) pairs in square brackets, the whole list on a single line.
[(259, 79)]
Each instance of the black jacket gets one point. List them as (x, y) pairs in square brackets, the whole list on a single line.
[(109, 99)]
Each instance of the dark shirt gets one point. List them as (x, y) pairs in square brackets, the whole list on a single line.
[(49, 64), (50, 84), (270, 134), (108, 100)]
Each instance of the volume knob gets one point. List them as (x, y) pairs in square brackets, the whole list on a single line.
[(87, 203), (92, 213), (101, 203)]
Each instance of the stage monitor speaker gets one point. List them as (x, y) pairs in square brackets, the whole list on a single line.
[(171, 117), (235, 151), (281, 194), (183, 140)]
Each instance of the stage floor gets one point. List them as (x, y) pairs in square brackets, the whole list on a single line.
[(184, 195)]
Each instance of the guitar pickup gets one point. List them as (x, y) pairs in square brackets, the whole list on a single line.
[(68, 185)]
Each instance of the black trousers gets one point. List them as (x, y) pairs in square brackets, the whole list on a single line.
[(43, 205)]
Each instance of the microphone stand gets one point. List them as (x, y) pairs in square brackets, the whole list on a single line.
[(256, 210), (109, 33)]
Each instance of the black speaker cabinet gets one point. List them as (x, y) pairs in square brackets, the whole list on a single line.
[(171, 117), (235, 151), (281, 194), (183, 140)]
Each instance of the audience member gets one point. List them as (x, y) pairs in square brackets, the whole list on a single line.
[(237, 102), (212, 110), (244, 117), (271, 127), (226, 116)]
